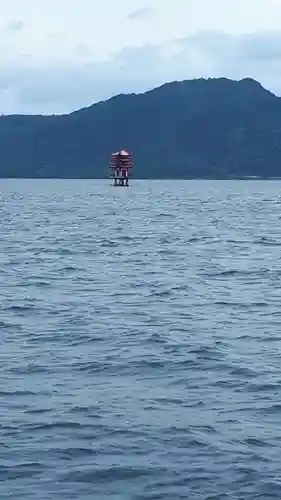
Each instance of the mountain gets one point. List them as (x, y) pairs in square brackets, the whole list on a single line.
[(216, 128)]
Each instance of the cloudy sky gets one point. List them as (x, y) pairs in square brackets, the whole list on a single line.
[(60, 55)]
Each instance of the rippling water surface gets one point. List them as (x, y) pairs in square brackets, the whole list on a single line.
[(140, 340)]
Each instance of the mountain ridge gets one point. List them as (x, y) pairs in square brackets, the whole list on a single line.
[(200, 128)]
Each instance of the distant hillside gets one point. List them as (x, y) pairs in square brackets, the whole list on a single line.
[(216, 128)]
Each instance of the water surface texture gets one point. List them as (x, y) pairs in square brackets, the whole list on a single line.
[(140, 340)]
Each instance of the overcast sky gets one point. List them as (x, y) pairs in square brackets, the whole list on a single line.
[(60, 55)]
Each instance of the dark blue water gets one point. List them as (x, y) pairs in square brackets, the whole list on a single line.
[(140, 340)]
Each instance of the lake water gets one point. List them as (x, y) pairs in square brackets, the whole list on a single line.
[(140, 340)]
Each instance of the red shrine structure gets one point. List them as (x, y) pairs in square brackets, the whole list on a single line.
[(120, 163)]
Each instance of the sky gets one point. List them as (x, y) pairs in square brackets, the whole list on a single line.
[(57, 56)]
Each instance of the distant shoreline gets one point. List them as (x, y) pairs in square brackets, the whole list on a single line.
[(245, 178)]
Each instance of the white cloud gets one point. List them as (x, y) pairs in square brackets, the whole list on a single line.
[(59, 56)]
